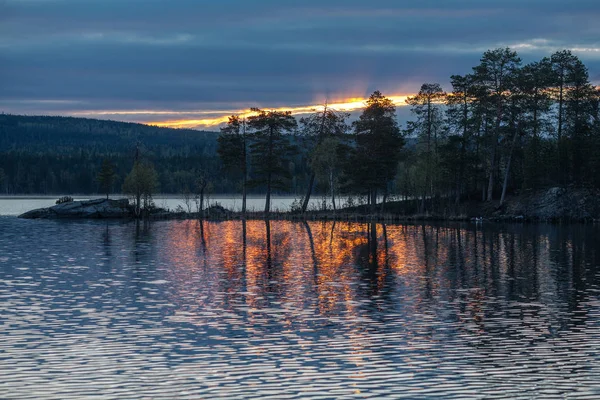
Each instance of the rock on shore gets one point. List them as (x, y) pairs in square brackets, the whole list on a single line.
[(553, 204), (98, 208)]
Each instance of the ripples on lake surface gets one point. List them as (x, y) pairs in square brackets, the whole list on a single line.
[(180, 309)]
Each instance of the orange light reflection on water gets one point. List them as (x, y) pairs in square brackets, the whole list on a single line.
[(289, 272)]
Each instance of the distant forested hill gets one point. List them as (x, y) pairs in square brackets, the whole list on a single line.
[(51, 155), (63, 155), (64, 134)]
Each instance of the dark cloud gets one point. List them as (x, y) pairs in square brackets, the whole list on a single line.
[(65, 56)]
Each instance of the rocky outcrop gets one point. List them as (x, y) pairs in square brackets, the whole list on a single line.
[(99, 208), (554, 204)]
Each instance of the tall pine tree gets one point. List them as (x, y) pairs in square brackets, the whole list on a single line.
[(270, 149), (375, 157), (232, 149)]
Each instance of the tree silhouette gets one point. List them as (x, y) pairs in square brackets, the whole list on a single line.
[(106, 177), (270, 149), (232, 148), (378, 142), (328, 126), (426, 105), (141, 183)]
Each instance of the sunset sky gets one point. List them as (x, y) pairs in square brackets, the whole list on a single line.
[(190, 63)]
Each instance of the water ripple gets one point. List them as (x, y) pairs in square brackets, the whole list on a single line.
[(287, 310)]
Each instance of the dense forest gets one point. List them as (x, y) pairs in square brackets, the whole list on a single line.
[(58, 155), (504, 127), (53, 155)]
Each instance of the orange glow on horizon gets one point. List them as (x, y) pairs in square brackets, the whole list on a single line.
[(345, 105)]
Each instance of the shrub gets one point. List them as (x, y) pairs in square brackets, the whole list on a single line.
[(64, 199)]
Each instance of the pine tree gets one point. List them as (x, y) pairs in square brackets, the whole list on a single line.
[(232, 149), (106, 177), (533, 84), (462, 125), (2, 178), (141, 183), (270, 149), (428, 127), (495, 76), (318, 128), (374, 159)]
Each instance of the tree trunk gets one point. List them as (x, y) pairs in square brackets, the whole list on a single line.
[(138, 203), (244, 196), (308, 192), (458, 191), (494, 151), (490, 189), (268, 197), (559, 143), (332, 187), (373, 200), (244, 184), (244, 170), (507, 172), (535, 182), (385, 194), (270, 161), (463, 145)]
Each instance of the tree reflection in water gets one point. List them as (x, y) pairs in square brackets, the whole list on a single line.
[(456, 272), (255, 306)]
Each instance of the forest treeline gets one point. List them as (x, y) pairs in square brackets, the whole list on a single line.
[(503, 127), (58, 155), (63, 155)]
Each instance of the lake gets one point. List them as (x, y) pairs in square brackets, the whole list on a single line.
[(190, 309)]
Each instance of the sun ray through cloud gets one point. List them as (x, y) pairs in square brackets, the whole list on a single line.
[(219, 117)]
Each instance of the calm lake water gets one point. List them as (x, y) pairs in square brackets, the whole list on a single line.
[(184, 309)]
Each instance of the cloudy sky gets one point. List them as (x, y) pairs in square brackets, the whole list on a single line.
[(156, 61)]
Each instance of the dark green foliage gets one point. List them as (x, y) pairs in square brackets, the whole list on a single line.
[(233, 150), (532, 84), (64, 199), (373, 161), (271, 150), (495, 78), (141, 184), (106, 177), (56, 155), (463, 117), (429, 128), (232, 144), (321, 133), (510, 129), (2, 180), (573, 96), (506, 129)]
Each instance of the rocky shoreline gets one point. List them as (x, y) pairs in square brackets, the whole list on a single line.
[(90, 209), (551, 205)]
